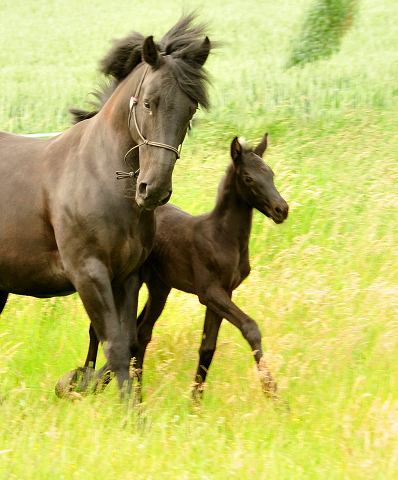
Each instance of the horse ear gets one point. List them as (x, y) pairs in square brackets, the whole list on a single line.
[(204, 52), (236, 151), (197, 54), (150, 53), (262, 146)]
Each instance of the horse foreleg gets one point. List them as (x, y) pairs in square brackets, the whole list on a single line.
[(3, 300), (92, 349), (99, 380), (85, 380), (207, 348), (218, 300), (113, 318)]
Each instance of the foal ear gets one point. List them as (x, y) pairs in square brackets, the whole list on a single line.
[(262, 146), (236, 151), (150, 53)]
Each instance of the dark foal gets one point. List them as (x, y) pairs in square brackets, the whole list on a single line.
[(208, 255)]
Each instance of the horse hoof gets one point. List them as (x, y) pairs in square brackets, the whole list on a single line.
[(80, 382), (67, 384)]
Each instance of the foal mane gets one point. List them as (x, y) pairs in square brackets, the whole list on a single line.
[(181, 43)]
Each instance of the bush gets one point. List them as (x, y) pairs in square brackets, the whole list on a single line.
[(322, 31)]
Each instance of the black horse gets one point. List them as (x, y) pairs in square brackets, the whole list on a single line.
[(67, 224), (207, 255)]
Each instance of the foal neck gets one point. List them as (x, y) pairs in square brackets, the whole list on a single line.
[(231, 211)]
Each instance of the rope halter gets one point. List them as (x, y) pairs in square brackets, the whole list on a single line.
[(144, 141)]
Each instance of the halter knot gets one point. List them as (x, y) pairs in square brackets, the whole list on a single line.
[(120, 175)]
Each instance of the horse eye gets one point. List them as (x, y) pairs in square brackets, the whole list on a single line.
[(247, 179), (146, 105)]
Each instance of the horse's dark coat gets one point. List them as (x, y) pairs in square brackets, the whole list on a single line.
[(208, 255), (66, 223)]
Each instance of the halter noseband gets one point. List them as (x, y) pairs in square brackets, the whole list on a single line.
[(133, 102)]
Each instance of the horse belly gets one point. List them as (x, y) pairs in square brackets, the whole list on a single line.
[(30, 263), (39, 275)]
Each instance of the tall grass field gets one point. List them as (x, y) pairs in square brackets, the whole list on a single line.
[(323, 286)]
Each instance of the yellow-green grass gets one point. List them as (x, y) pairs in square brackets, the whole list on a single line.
[(323, 287)]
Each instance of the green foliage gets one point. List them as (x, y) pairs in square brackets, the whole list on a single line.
[(323, 29)]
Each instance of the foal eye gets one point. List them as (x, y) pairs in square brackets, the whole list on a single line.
[(247, 179), (146, 105)]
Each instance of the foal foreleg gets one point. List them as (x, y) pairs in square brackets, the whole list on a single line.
[(207, 348), (218, 300)]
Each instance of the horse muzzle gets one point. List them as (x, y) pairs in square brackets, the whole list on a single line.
[(150, 199)]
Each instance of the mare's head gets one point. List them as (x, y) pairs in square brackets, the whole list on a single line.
[(159, 87), (255, 180)]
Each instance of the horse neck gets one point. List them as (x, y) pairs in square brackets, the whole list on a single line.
[(115, 112), (232, 213)]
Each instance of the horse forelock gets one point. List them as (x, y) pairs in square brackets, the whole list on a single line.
[(182, 41)]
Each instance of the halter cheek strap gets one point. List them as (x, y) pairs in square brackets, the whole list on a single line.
[(144, 141)]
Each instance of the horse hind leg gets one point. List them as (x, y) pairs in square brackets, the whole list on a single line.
[(3, 300)]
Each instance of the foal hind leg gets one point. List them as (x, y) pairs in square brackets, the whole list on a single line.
[(158, 292), (218, 300), (3, 300), (207, 348)]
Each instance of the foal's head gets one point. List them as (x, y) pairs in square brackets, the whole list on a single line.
[(255, 181)]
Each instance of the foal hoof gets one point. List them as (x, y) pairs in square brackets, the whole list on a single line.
[(268, 383), (197, 394), (81, 382)]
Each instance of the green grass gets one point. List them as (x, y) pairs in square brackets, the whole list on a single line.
[(323, 287)]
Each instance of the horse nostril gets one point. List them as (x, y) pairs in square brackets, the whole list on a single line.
[(142, 189), (278, 210)]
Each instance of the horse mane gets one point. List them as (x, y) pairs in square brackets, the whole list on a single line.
[(180, 43)]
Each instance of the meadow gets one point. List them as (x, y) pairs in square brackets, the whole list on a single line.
[(323, 287)]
